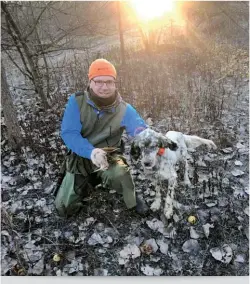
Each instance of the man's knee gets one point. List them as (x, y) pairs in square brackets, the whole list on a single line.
[(82, 185)]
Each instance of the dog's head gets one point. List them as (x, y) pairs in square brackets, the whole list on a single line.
[(147, 145)]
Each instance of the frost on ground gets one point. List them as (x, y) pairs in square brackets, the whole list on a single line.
[(106, 239)]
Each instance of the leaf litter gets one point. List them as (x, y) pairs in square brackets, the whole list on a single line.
[(96, 243)]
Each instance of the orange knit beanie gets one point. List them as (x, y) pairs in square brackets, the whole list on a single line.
[(101, 67)]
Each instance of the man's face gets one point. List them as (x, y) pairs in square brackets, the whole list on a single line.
[(103, 86)]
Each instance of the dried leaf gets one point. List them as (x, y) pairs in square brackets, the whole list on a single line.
[(191, 246), (237, 173), (238, 192), (5, 233), (15, 206), (163, 246), (206, 228), (223, 254), (134, 240), (100, 272), (150, 271), (194, 234), (6, 264), (107, 239), (156, 225), (238, 163), (152, 243), (227, 150), (89, 221), (70, 255), (130, 251), (59, 272), (72, 267), (38, 268), (41, 202), (57, 233), (154, 258), (240, 258), (240, 146), (95, 239), (246, 231), (33, 253), (246, 190), (211, 204), (246, 211)]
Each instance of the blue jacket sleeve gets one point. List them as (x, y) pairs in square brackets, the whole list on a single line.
[(132, 122), (71, 130)]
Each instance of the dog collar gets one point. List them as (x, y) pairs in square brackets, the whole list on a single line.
[(161, 151)]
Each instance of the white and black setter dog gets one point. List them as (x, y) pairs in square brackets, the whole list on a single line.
[(160, 156)]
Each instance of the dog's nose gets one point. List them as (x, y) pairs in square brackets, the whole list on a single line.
[(147, 164)]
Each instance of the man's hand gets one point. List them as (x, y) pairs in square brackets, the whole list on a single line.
[(99, 158)]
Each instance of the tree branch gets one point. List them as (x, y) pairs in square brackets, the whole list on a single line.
[(18, 67), (37, 20), (18, 47), (223, 11)]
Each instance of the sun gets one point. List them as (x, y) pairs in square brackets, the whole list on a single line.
[(150, 9)]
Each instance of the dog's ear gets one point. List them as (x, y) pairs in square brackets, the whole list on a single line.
[(135, 151), (165, 142)]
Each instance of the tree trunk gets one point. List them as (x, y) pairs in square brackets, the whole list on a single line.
[(122, 47), (9, 112), (35, 73), (145, 40)]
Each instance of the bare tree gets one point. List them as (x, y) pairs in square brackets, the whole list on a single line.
[(25, 53), (9, 112), (226, 20), (33, 31), (122, 46)]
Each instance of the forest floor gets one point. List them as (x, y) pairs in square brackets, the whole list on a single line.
[(106, 238)]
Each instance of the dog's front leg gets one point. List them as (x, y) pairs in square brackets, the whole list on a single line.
[(168, 207), (186, 177), (157, 202)]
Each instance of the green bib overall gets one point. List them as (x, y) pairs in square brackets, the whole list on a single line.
[(79, 178)]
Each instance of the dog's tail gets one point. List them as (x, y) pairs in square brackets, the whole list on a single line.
[(193, 142)]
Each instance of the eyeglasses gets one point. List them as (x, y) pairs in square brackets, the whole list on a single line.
[(109, 83)]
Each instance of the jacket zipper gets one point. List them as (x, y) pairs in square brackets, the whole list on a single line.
[(98, 114)]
